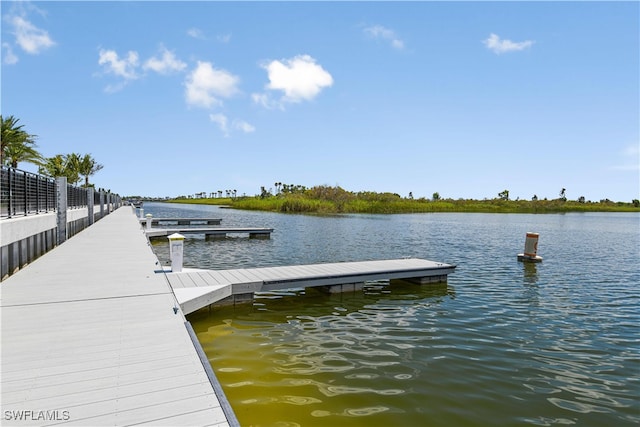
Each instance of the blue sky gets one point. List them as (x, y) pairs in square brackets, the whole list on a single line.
[(466, 99)]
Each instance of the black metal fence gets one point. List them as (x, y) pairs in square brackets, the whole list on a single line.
[(76, 197), (23, 193)]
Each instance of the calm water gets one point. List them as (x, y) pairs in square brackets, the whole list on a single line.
[(503, 343)]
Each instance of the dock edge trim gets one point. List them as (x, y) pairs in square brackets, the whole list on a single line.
[(217, 387)]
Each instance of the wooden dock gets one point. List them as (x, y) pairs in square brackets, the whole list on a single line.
[(216, 232), (196, 289), (92, 335), (183, 221)]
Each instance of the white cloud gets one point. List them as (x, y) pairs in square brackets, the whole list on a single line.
[(498, 46), (206, 85), (243, 126), (125, 67), (221, 120), (300, 79), (196, 33), (380, 32), (9, 58), (113, 88), (265, 100), (223, 123), (166, 64), (30, 38)]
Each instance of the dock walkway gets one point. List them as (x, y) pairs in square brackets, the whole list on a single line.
[(91, 335)]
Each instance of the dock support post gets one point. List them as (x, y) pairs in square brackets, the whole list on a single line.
[(235, 299), (439, 278), (176, 251), (61, 208), (339, 289), (215, 236), (149, 216), (259, 235)]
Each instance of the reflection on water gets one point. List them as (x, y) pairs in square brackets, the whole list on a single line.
[(503, 343), (530, 272)]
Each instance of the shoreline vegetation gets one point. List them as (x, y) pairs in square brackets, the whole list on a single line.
[(335, 200)]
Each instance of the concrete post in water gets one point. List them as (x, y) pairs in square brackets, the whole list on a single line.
[(90, 217), (530, 249), (61, 208), (149, 216), (176, 251), (141, 213)]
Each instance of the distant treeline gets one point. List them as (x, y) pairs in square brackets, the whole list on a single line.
[(335, 200)]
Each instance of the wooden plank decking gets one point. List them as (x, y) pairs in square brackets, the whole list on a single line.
[(90, 337), (198, 288), (210, 231)]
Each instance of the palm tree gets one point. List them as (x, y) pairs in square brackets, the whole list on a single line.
[(61, 165), (17, 145), (562, 194), (53, 166), (17, 153), (73, 168), (87, 166)]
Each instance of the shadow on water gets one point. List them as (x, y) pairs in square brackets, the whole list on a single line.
[(278, 306)]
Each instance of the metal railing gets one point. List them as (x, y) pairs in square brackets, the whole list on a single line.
[(76, 197), (23, 193)]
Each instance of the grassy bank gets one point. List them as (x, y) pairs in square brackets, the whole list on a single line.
[(335, 200)]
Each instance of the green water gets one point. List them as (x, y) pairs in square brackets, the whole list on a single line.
[(502, 343)]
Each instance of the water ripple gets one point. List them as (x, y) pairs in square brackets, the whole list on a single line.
[(502, 344)]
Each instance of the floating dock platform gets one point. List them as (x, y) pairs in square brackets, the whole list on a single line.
[(183, 221), (216, 232), (196, 289)]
